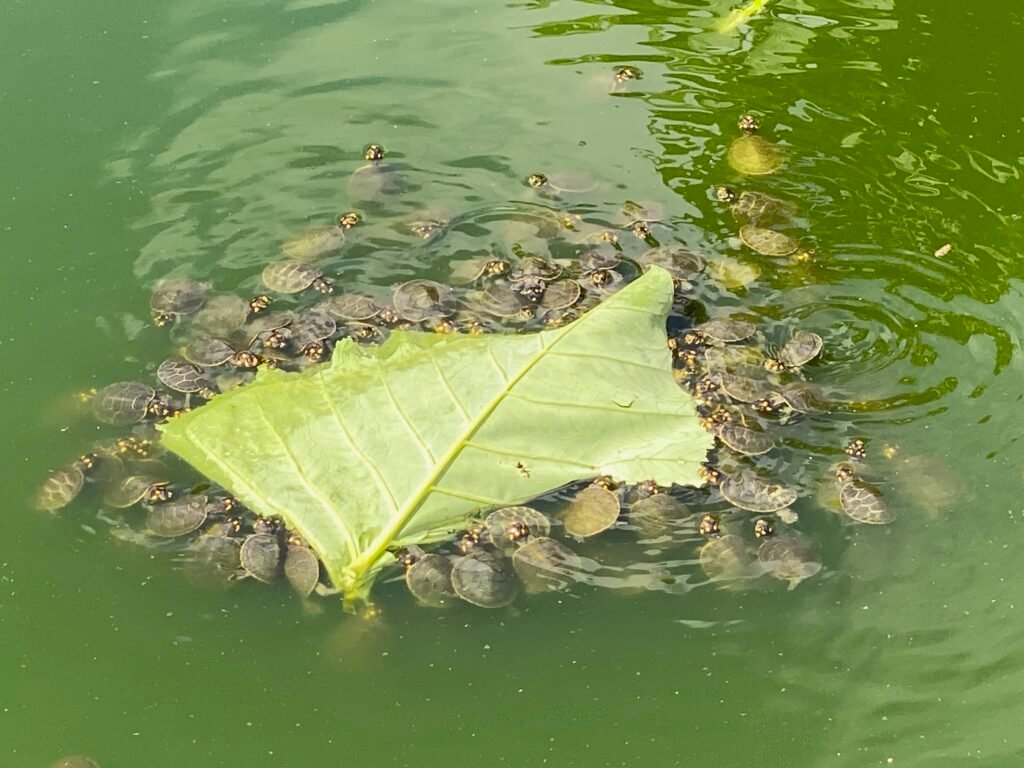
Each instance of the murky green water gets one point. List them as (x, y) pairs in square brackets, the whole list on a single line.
[(189, 139)]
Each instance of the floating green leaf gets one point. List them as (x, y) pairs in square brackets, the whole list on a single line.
[(403, 443)]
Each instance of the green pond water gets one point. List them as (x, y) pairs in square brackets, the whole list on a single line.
[(151, 139)]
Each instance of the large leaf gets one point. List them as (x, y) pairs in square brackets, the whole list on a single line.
[(403, 443)]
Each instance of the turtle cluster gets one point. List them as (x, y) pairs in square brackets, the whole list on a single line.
[(541, 264)]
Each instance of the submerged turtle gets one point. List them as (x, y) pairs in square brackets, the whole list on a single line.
[(211, 352), (728, 330), (788, 557), (563, 182), (175, 298), (753, 206), (655, 515), (291, 276), (545, 565), (755, 494), (484, 579), (639, 218), (75, 761), (60, 488), (309, 332), (509, 525), (375, 178), (351, 306), (319, 242), (861, 501), (744, 440), (222, 315), (752, 154), (148, 488), (561, 294), (802, 347), (768, 242), (126, 402), (683, 264), (429, 578), (725, 558), (419, 300), (301, 566), (260, 556), (182, 376), (591, 511), (178, 517), (473, 271)]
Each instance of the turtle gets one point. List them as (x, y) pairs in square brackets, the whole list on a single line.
[(125, 402), (590, 512), (174, 298), (726, 329), (742, 389), (752, 154), (271, 331), (534, 267), (419, 300), (709, 526), (499, 300), (509, 525), (60, 488), (725, 558), (655, 515), (545, 565), (767, 242), (755, 494), (797, 396), (679, 261), (788, 557), (182, 376), (75, 761), (178, 517), (291, 276), (222, 315), (375, 178), (260, 556), (484, 579), (640, 216), (560, 294), (363, 333), (210, 352), (802, 347), (317, 243), (150, 488), (429, 579), (310, 330), (744, 440), (476, 270), (217, 548), (625, 74), (563, 182), (861, 501), (753, 207), (351, 306), (429, 229), (301, 566)]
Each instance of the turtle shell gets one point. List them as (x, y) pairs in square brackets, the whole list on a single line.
[(499, 522), (484, 579), (767, 242), (314, 244), (802, 347), (374, 180), (311, 327), (418, 300), (744, 440), (755, 494), (208, 351), (470, 271), (545, 565), (560, 294), (123, 402), (430, 581), (655, 515), (182, 376), (132, 489), (530, 267), (755, 206), (500, 300), (727, 329), (222, 315), (290, 276), (592, 511), (725, 558), (743, 389), (863, 503), (754, 155), (260, 556), (177, 517), (678, 261), (567, 182), (301, 568), (60, 488), (788, 557), (177, 297), (351, 306)]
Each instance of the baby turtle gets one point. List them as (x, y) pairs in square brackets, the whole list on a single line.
[(501, 301), (744, 440), (178, 517), (563, 182), (301, 566), (767, 242), (260, 556), (683, 264), (788, 557), (319, 242), (290, 276), (309, 332), (211, 352), (656, 515), (474, 271), (545, 565), (534, 267), (222, 315), (125, 402), (429, 579), (509, 525), (60, 488), (419, 300), (753, 206), (861, 501), (75, 761), (182, 376), (351, 306), (742, 389), (755, 494), (375, 178), (484, 579), (727, 330), (175, 298), (802, 347), (725, 558), (560, 294), (752, 154), (151, 489), (591, 511)]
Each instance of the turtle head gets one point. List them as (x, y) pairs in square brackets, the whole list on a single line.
[(844, 473), (725, 194), (748, 124), (763, 528), (517, 531), (709, 526), (351, 218), (373, 152), (536, 180)]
